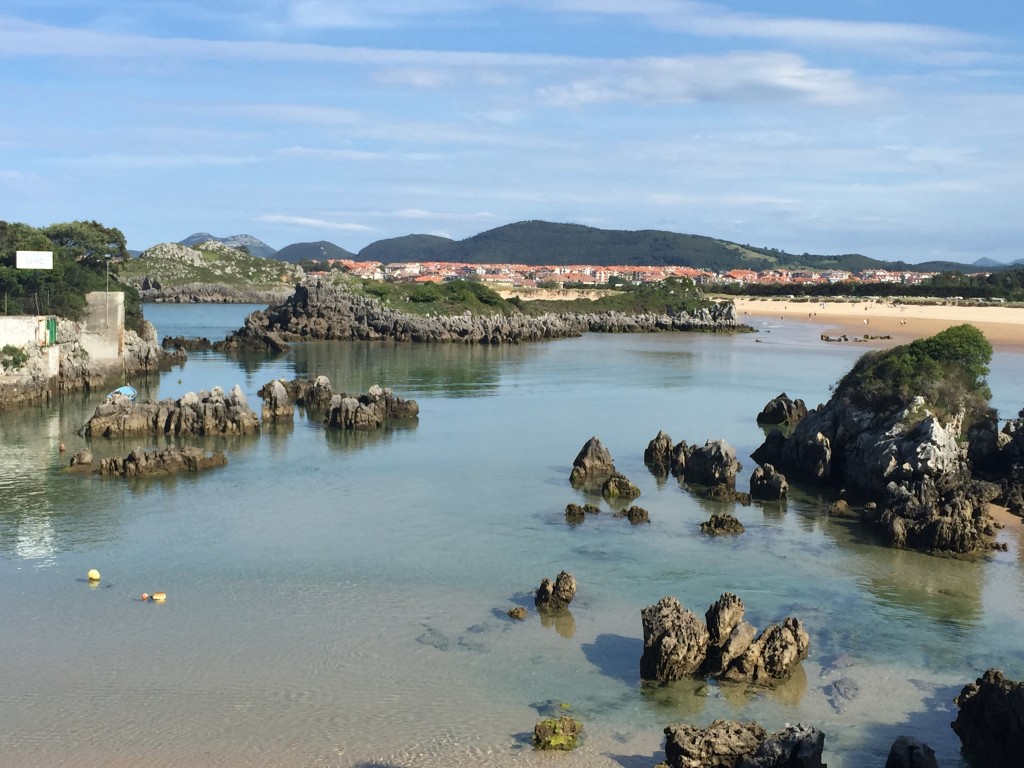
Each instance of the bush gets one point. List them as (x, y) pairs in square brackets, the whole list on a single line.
[(948, 370), (13, 357)]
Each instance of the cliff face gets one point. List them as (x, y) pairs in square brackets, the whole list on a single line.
[(319, 311)]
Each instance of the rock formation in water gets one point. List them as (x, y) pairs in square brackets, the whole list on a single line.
[(592, 467), (711, 464), (319, 310), (193, 414), (896, 433), (782, 410), (721, 524), (561, 733), (731, 744), (575, 513), (768, 484), (369, 411), (149, 463), (555, 596), (990, 720), (678, 645), (636, 515), (908, 752)]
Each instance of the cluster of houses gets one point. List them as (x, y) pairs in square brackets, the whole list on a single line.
[(527, 276)]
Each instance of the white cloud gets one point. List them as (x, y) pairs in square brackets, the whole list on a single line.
[(310, 223), (731, 77), (330, 154)]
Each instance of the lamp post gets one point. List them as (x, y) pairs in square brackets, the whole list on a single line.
[(107, 291)]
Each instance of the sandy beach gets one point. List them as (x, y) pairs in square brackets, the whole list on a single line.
[(1002, 326)]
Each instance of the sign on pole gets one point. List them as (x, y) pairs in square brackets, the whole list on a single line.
[(34, 259)]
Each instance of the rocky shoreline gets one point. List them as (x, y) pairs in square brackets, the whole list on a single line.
[(318, 311), (212, 293)]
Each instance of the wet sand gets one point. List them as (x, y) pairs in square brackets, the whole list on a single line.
[(1002, 326)]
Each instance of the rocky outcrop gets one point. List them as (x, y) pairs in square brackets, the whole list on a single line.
[(592, 467), (193, 414), (555, 596), (675, 642), (320, 310), (562, 733), (277, 405), (187, 344), (619, 487), (731, 744), (711, 464), (990, 720), (908, 752), (719, 525), (149, 463), (782, 410), (678, 645), (910, 462), (768, 484), (636, 515), (369, 411), (575, 513), (212, 293), (998, 456)]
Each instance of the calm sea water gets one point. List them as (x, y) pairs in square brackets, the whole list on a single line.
[(340, 600)]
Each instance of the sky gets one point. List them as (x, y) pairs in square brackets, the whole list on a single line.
[(891, 129)]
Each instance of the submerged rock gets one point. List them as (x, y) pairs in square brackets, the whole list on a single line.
[(718, 525), (562, 733)]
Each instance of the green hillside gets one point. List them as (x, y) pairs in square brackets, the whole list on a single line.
[(321, 250), (543, 242), (409, 248)]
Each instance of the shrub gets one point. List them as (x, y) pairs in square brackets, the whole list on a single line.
[(13, 357), (948, 370)]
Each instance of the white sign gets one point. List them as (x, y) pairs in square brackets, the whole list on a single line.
[(34, 259)]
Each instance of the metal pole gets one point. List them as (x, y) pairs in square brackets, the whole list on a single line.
[(107, 302)]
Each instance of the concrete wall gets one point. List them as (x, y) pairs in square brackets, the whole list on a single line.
[(103, 325), (20, 330)]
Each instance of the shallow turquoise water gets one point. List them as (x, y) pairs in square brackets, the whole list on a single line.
[(339, 600)]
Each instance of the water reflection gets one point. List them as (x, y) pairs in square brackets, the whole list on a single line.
[(455, 370)]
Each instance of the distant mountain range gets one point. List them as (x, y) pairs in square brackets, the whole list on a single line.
[(543, 242)]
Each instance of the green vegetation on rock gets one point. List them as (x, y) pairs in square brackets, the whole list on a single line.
[(948, 370), (562, 733), (209, 263), (453, 297)]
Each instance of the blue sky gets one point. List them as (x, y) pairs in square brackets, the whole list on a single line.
[(893, 129)]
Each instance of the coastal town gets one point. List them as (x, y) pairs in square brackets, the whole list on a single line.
[(583, 275)]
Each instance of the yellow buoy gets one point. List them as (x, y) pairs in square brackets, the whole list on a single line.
[(158, 597), (94, 575)]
